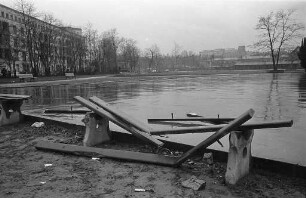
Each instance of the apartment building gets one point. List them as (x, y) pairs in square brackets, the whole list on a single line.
[(31, 45), (227, 53)]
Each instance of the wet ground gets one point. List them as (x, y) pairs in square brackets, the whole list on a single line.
[(25, 172)]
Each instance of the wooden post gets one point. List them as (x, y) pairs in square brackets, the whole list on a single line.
[(97, 130), (239, 156)]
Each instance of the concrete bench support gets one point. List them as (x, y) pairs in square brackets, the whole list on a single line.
[(239, 155), (10, 111), (97, 130)]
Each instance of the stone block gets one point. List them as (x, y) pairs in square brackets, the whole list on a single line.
[(194, 183), (10, 112), (97, 130)]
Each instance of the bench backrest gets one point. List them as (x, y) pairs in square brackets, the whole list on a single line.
[(25, 75)]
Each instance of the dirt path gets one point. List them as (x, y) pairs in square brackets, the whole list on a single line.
[(24, 174)]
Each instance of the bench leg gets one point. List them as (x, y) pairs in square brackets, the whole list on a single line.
[(97, 130), (239, 156), (10, 112)]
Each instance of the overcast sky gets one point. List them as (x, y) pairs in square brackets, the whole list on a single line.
[(193, 24)]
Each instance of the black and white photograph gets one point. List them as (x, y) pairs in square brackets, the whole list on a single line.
[(152, 98)]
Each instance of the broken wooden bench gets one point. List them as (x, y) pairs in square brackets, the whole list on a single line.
[(10, 105), (146, 157), (240, 138)]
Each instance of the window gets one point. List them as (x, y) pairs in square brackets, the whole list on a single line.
[(15, 18), (7, 15), (15, 42), (5, 26), (12, 17), (14, 29), (22, 31), (24, 56), (22, 43), (1, 53), (2, 14)]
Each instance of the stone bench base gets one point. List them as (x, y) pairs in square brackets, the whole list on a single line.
[(239, 156), (97, 130)]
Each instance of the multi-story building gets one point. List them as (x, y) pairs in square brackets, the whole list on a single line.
[(228, 53), (31, 45)]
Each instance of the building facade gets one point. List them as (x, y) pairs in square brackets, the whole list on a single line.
[(31, 45)]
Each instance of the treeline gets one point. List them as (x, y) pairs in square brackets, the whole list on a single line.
[(46, 47)]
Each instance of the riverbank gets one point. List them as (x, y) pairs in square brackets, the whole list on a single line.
[(15, 82), (27, 172)]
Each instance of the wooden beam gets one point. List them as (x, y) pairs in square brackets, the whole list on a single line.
[(100, 111), (108, 153), (217, 135), (201, 119), (258, 125), (67, 111), (127, 118), (13, 96)]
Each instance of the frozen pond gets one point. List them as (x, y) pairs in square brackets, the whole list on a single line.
[(272, 96)]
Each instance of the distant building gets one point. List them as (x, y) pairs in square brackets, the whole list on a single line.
[(53, 46), (228, 53)]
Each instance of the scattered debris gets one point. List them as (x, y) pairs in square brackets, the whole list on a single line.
[(95, 158), (143, 190), (38, 124), (140, 190), (192, 115), (194, 183), (190, 162), (208, 158), (47, 165), (42, 182)]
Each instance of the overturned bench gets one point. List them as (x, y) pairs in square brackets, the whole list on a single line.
[(10, 108)]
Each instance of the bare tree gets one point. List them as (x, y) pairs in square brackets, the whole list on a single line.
[(29, 13), (130, 53), (47, 40), (176, 52), (110, 43), (153, 55), (302, 53), (277, 31), (91, 38)]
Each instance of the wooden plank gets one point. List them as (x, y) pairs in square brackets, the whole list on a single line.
[(258, 125), (14, 96), (67, 111), (217, 135), (108, 153), (127, 118), (201, 119), (100, 111)]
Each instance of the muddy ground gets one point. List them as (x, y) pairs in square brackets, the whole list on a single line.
[(24, 172)]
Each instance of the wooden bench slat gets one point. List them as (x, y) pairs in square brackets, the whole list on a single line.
[(12, 96), (249, 126), (108, 153)]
